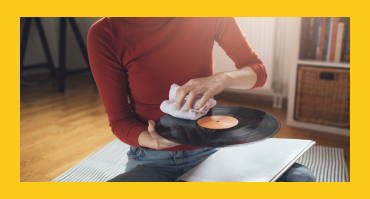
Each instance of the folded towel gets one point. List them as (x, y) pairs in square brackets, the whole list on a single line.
[(169, 106)]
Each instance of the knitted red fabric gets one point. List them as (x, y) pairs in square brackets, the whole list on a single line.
[(142, 57)]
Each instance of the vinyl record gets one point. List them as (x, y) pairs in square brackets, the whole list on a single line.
[(222, 126)]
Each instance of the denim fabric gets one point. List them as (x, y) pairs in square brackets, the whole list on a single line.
[(166, 166), (297, 173)]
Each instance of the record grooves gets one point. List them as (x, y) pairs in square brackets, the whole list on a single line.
[(241, 125)]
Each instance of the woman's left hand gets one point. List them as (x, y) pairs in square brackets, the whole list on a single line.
[(207, 86)]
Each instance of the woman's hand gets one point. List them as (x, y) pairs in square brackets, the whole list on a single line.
[(151, 139), (243, 78), (207, 86)]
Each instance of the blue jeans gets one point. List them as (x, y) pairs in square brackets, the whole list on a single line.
[(166, 166)]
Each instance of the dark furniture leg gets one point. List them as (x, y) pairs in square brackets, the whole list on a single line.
[(45, 46), (80, 42), (63, 72), (24, 39), (62, 54)]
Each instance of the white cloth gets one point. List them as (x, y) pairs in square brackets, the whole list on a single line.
[(169, 106)]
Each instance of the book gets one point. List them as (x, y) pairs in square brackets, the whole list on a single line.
[(346, 56), (311, 46), (338, 45), (303, 50), (346, 21), (333, 39), (318, 36), (343, 42), (322, 38), (327, 38), (262, 161)]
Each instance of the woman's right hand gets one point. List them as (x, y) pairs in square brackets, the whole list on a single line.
[(151, 139)]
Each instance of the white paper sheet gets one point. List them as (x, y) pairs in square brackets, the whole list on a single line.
[(262, 161)]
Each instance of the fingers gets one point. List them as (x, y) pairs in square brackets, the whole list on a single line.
[(182, 92), (180, 95), (203, 100), (207, 87), (191, 98)]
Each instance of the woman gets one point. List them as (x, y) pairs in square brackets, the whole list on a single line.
[(140, 58)]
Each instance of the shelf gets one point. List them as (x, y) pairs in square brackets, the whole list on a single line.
[(323, 63), (294, 62)]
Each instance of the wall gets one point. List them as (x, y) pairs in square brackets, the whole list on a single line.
[(261, 34), (35, 54), (285, 58), (260, 38), (251, 27)]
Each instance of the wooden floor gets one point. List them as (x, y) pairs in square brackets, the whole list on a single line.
[(59, 130)]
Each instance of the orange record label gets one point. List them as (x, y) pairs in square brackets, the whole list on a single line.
[(217, 122)]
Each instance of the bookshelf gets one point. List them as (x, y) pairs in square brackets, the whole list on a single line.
[(323, 63), (294, 62)]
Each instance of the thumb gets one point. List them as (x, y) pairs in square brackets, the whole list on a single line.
[(151, 128)]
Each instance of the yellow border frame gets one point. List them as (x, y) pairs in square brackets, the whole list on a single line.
[(10, 96)]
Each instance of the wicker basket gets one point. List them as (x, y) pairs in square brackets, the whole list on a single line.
[(323, 96)]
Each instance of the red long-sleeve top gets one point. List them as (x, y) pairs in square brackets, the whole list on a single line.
[(141, 58)]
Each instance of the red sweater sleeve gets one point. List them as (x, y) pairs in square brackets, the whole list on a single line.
[(233, 42), (110, 77)]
